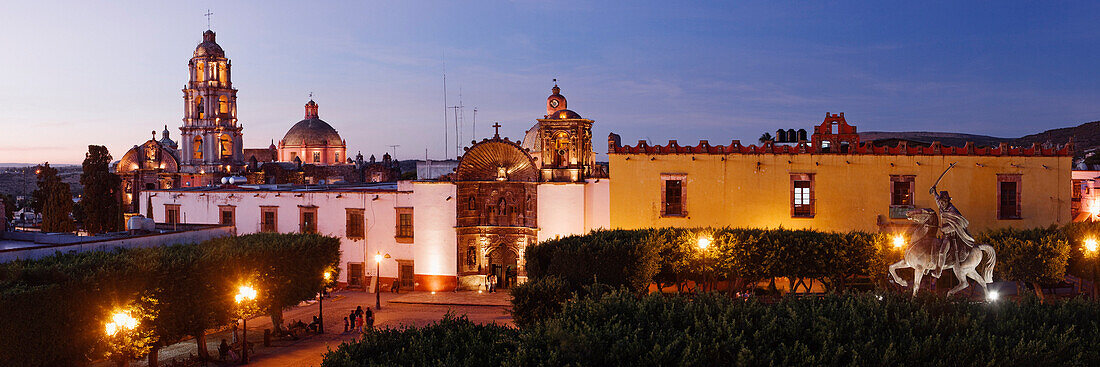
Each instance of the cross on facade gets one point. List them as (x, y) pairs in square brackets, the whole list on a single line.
[(208, 14), (497, 127)]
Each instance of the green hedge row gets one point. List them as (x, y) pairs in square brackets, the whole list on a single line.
[(624, 329), (637, 258), (55, 308)]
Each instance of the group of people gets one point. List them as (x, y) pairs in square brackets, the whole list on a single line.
[(227, 351), (359, 318), (491, 283)]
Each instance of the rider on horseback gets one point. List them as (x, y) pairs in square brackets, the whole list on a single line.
[(954, 228)]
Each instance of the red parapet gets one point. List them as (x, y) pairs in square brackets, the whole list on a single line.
[(862, 148)]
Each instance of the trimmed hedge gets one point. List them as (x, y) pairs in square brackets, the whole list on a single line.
[(54, 308), (453, 341), (637, 258), (624, 329)]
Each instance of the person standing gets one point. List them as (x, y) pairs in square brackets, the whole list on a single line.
[(370, 319)]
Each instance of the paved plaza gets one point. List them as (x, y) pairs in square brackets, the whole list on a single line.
[(404, 309)]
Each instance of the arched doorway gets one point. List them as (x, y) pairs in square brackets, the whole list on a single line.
[(503, 262)]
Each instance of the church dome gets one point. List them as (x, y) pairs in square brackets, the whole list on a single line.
[(312, 131), (166, 141), (563, 115), (208, 46)]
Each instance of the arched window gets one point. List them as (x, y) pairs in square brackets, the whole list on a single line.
[(199, 112), (561, 142), (197, 148), (223, 104), (200, 72), (226, 146)]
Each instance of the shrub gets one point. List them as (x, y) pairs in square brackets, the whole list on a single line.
[(453, 341), (538, 299), (624, 329), (55, 307)]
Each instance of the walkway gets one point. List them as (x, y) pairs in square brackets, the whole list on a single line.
[(405, 309)]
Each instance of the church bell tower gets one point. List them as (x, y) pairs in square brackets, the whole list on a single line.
[(210, 136), (566, 141)]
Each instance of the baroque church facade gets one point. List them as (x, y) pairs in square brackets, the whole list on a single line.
[(447, 233)]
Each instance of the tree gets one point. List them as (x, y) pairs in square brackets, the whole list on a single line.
[(53, 200), (9, 205), (285, 269), (766, 137), (1034, 256), (191, 296), (102, 209)]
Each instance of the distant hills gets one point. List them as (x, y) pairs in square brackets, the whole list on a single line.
[(949, 139), (1085, 137)]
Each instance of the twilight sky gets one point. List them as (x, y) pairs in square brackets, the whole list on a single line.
[(108, 73)]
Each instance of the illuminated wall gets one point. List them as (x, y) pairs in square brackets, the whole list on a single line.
[(852, 191)]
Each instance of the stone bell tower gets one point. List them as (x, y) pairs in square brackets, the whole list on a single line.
[(210, 136), (566, 142)]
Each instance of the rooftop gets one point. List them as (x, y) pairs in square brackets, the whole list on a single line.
[(338, 187), (24, 240)]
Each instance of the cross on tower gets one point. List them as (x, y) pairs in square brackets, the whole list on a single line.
[(310, 96), (208, 14), (497, 127)]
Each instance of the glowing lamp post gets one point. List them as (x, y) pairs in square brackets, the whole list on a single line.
[(1092, 251), (121, 322), (703, 243), (898, 242), (321, 304), (378, 281), (244, 294)]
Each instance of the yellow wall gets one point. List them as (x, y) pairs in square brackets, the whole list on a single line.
[(851, 191)]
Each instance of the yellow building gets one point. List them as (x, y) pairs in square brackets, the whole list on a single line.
[(834, 183)]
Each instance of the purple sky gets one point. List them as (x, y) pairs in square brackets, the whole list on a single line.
[(84, 73)]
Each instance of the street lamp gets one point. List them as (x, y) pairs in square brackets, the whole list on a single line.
[(898, 242), (703, 243), (378, 279), (244, 294), (121, 322), (321, 304), (1091, 250)]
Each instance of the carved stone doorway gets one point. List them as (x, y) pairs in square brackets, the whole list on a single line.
[(503, 262)]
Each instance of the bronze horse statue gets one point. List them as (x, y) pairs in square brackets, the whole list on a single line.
[(924, 245)]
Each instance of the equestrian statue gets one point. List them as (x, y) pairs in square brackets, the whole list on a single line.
[(953, 248)]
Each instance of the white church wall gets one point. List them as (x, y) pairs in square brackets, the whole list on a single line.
[(597, 204), (561, 209), (378, 210), (434, 235)]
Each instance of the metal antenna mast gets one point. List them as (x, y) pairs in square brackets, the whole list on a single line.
[(394, 148), (473, 130), (446, 139), (456, 108)]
